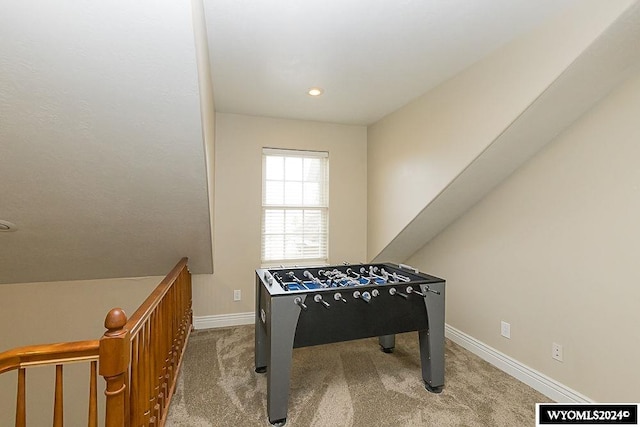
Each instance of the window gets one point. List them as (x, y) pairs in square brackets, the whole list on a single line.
[(295, 206)]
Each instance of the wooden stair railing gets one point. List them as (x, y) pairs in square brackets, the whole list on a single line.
[(139, 358)]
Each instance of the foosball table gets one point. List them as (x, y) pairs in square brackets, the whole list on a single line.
[(299, 307)]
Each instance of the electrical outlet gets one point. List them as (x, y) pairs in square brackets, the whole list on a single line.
[(505, 329), (556, 352), (237, 296)]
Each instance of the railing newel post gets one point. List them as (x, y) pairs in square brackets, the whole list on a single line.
[(115, 356)]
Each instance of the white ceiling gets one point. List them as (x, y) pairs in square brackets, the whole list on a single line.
[(370, 56)]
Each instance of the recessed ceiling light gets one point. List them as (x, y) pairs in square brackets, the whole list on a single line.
[(7, 226), (315, 91)]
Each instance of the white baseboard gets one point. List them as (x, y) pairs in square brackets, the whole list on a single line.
[(534, 379), (223, 320)]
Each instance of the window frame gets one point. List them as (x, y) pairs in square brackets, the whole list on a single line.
[(322, 207)]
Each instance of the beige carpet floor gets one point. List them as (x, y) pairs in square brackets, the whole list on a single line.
[(348, 384)]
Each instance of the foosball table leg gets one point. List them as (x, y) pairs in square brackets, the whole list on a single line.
[(432, 339), (387, 343), (280, 337)]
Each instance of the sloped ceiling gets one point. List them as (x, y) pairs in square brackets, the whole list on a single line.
[(101, 152), (611, 58)]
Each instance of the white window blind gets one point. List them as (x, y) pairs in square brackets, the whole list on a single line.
[(295, 206)]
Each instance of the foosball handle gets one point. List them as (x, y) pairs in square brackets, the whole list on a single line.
[(393, 291), (318, 298), (298, 301), (411, 290)]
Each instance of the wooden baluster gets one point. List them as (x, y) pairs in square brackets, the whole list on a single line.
[(169, 318), (21, 408), (157, 359), (180, 312), (114, 363), (139, 396), (178, 326), (159, 356), (173, 317), (142, 368), (58, 404), (179, 323), (151, 384), (148, 401), (135, 381), (93, 395), (168, 347), (153, 377), (185, 307), (127, 384), (190, 297), (175, 337), (169, 335)]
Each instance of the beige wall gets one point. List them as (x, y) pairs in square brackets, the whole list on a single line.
[(414, 153), (554, 251), (41, 313), (238, 175)]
